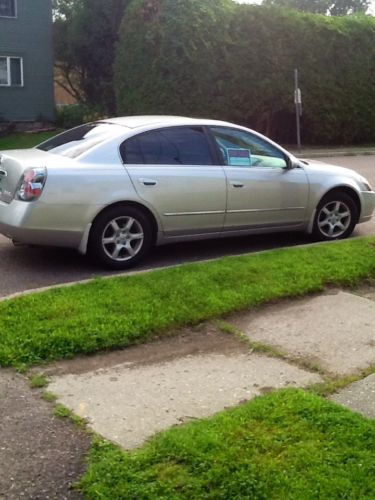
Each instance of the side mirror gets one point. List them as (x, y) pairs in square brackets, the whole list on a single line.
[(289, 163)]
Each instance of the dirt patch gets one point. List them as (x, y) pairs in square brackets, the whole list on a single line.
[(41, 456), (202, 339), (367, 290)]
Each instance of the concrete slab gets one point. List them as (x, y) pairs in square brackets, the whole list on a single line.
[(130, 402), (359, 396), (335, 330)]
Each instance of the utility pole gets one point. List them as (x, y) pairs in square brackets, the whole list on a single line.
[(298, 105)]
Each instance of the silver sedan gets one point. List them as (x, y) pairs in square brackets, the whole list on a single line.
[(116, 187)]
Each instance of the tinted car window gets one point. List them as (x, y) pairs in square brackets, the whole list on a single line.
[(170, 146), (242, 149), (78, 140)]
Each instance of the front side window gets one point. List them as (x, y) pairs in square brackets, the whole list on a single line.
[(11, 71), (169, 146), (8, 8), (243, 149)]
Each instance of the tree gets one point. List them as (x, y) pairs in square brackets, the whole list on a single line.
[(85, 37), (337, 8), (314, 6), (344, 7), (61, 9)]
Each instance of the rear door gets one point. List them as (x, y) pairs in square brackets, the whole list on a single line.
[(173, 170)]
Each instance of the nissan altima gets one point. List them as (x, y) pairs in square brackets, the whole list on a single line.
[(114, 188)]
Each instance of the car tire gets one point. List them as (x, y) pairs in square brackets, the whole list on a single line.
[(120, 237), (335, 217)]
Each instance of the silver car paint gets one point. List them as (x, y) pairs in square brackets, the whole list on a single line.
[(189, 199), (186, 203), (266, 197), (334, 176)]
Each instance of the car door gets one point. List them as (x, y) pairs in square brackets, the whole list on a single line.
[(261, 191), (172, 169)]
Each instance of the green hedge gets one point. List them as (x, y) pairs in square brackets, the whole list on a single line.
[(219, 59), (166, 59)]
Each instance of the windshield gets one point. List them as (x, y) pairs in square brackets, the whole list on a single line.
[(81, 139)]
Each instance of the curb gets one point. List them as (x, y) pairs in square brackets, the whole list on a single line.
[(332, 154), (143, 271)]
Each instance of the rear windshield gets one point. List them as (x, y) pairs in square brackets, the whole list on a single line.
[(81, 139)]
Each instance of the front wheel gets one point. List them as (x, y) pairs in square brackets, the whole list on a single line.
[(336, 217), (120, 237)]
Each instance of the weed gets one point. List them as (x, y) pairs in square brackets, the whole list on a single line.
[(49, 397), (62, 411), (38, 381)]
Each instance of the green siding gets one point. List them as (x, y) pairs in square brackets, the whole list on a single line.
[(29, 36)]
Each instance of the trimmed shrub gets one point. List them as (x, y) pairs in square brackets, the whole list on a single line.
[(72, 115), (221, 60)]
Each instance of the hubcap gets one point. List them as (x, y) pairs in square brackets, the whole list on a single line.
[(122, 238), (334, 219)]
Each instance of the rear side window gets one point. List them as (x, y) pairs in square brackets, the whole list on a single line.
[(169, 146)]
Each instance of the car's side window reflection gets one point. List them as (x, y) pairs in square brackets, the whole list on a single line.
[(241, 149), (170, 146)]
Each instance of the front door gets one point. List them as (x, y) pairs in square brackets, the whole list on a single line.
[(261, 191)]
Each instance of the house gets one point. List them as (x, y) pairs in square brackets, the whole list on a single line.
[(26, 61)]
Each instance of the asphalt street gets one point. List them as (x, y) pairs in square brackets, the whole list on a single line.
[(25, 268)]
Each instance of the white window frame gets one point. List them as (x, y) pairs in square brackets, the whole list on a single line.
[(15, 12), (9, 76)]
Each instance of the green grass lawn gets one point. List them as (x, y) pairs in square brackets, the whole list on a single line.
[(287, 445), (111, 313), (23, 140)]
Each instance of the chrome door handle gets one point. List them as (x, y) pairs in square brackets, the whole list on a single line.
[(148, 182), (236, 184), (3, 173)]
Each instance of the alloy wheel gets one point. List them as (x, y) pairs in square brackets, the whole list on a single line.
[(334, 218), (122, 238)]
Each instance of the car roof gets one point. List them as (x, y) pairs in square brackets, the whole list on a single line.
[(164, 120)]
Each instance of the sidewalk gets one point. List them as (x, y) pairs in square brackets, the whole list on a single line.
[(128, 395)]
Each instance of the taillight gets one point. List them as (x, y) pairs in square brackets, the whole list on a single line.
[(32, 184)]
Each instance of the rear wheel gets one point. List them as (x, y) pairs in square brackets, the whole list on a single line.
[(120, 237), (336, 217)]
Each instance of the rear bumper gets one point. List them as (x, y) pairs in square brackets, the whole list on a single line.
[(28, 223)]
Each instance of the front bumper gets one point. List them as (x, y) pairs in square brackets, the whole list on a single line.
[(368, 206)]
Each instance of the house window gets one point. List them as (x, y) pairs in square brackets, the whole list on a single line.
[(8, 8), (11, 71)]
